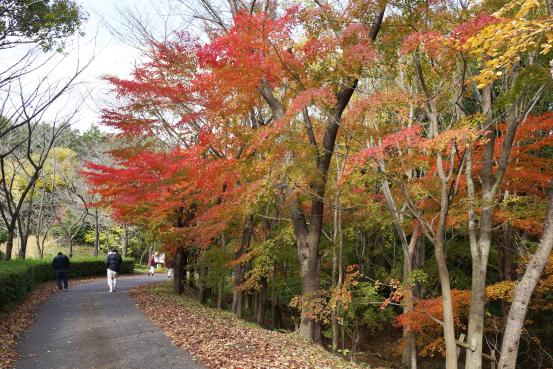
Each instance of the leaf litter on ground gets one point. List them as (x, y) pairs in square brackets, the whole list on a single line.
[(220, 340)]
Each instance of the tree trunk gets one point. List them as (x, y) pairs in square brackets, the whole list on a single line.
[(70, 247), (336, 266), (310, 274), (480, 246), (409, 354), (255, 301), (247, 300), (448, 322), (220, 294), (38, 246), (23, 239), (9, 244), (191, 276), (125, 239), (239, 268), (202, 295), (181, 260), (523, 293), (443, 272), (96, 233), (274, 302), (261, 302), (507, 266)]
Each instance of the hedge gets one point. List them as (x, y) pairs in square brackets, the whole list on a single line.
[(19, 277)]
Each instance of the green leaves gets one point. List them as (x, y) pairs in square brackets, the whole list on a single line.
[(45, 22)]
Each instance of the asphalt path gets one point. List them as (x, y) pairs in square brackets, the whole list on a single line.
[(89, 328)]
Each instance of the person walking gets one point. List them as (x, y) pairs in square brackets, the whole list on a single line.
[(151, 265), (61, 265), (169, 266), (113, 262)]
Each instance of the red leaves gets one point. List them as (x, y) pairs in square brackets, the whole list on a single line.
[(428, 311), (431, 42), (470, 28), (406, 137)]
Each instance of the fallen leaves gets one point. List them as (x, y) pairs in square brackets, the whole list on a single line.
[(16, 322), (219, 340)]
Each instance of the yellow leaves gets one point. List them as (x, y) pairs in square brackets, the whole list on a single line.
[(498, 46), (525, 7), (501, 291)]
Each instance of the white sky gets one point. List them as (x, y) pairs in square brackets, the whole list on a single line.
[(109, 55), (112, 56)]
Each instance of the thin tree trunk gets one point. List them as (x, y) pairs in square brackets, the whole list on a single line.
[(202, 294), (336, 273), (25, 226), (523, 293), (409, 354), (239, 268), (220, 294), (96, 233), (125, 239), (23, 238), (70, 247), (191, 276), (274, 301), (38, 230), (448, 322)]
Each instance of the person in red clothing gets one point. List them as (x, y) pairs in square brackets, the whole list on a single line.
[(151, 265)]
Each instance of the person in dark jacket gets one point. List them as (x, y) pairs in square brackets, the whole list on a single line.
[(113, 262), (61, 265)]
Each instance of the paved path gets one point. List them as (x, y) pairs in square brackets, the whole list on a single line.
[(89, 328)]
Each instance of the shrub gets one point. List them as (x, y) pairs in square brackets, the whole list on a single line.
[(19, 277)]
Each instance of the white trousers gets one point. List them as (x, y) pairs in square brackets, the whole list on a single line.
[(112, 280)]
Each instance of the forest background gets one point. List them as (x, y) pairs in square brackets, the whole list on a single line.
[(370, 174)]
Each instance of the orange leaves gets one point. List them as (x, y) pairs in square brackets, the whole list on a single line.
[(444, 142), (427, 312), (431, 42)]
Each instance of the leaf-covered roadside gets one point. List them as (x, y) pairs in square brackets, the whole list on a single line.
[(17, 321), (219, 340)]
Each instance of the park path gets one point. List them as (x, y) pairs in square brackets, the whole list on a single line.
[(89, 328)]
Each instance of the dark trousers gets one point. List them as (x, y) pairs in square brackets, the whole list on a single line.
[(61, 274)]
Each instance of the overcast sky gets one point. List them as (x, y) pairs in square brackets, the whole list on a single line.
[(111, 55), (108, 52)]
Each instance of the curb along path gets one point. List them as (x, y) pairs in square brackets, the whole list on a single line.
[(87, 327)]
